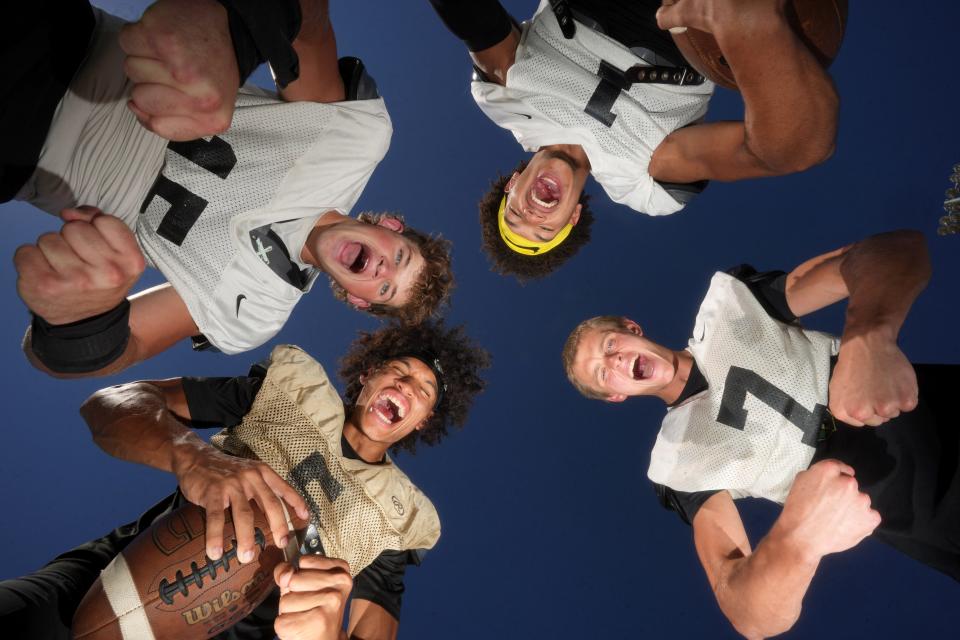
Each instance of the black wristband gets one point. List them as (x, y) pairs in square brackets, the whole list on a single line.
[(83, 346), (264, 32)]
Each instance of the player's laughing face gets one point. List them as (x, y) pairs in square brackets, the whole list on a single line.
[(374, 263), (545, 197), (620, 362), (396, 398)]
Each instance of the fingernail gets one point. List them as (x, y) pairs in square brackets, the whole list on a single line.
[(215, 553), (678, 29), (304, 514), (246, 556), (284, 540)]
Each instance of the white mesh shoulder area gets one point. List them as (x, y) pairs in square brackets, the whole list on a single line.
[(546, 97), (279, 161), (756, 426), (295, 426)]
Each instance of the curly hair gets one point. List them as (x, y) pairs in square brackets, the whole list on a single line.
[(506, 261), (572, 344), (432, 287), (459, 357)]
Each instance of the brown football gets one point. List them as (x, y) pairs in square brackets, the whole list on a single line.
[(164, 586), (818, 23)]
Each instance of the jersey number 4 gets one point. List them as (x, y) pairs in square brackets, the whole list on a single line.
[(740, 382), (214, 155)]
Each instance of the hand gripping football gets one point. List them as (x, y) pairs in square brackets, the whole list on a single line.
[(164, 586), (819, 24)]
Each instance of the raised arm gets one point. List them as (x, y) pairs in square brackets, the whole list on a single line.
[(316, 47), (488, 32), (881, 275), (761, 591), (144, 422), (790, 104)]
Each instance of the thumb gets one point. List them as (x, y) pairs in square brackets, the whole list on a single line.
[(669, 17), (282, 574), (83, 213)]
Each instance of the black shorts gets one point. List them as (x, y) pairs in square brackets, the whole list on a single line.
[(909, 468), (632, 23), (42, 45)]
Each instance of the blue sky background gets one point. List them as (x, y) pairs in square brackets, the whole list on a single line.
[(551, 529)]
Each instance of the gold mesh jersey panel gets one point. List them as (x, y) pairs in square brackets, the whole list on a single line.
[(295, 426)]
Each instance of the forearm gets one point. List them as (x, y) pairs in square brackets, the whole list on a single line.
[(884, 274), (762, 594), (132, 422), (790, 103)]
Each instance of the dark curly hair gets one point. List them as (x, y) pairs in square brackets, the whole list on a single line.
[(432, 287), (460, 359), (505, 260)]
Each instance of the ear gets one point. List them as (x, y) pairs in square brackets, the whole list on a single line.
[(512, 182), (358, 303), (616, 397), (575, 218), (633, 327), (423, 422), (389, 222)]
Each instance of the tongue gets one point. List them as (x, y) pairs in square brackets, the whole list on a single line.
[(388, 409), (546, 191), (350, 252)]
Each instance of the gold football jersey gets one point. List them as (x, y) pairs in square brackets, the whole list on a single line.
[(295, 426)]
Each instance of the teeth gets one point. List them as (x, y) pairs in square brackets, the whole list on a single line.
[(548, 205)]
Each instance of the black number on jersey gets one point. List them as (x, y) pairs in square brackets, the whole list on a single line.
[(739, 382), (314, 467), (216, 156), (612, 82)]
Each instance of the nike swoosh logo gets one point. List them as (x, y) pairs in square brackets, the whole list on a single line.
[(522, 114), (240, 298)]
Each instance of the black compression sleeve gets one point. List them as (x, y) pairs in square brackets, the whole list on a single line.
[(220, 402), (685, 504), (769, 288), (381, 582), (479, 23)]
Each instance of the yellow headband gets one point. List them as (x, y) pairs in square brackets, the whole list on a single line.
[(522, 245)]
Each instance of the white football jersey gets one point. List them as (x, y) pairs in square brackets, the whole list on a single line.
[(203, 221), (295, 425), (279, 161), (756, 425), (556, 84)]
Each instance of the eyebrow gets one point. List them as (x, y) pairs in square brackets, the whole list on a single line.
[(513, 225), (405, 361)]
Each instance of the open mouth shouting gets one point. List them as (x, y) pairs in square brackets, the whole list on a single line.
[(642, 369), (354, 257), (545, 192), (390, 407)]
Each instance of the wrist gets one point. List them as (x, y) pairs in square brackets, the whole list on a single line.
[(785, 542)]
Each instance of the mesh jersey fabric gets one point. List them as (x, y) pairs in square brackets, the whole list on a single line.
[(193, 205), (755, 426), (295, 425), (547, 91)]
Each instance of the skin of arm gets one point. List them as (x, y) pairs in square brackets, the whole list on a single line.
[(158, 320), (370, 621), (881, 275), (143, 422), (790, 103), (761, 591), (316, 47)]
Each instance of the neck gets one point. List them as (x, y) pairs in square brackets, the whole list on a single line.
[(368, 450), (682, 363), (573, 152), (324, 223)]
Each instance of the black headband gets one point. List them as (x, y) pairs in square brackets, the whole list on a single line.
[(433, 363)]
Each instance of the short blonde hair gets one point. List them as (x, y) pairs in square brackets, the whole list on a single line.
[(572, 345)]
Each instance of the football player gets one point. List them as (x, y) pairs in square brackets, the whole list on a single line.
[(564, 84), (241, 221), (845, 433), (287, 436)]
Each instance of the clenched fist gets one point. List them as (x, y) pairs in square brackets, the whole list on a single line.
[(872, 382), (313, 598), (825, 512), (81, 271), (180, 58)]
